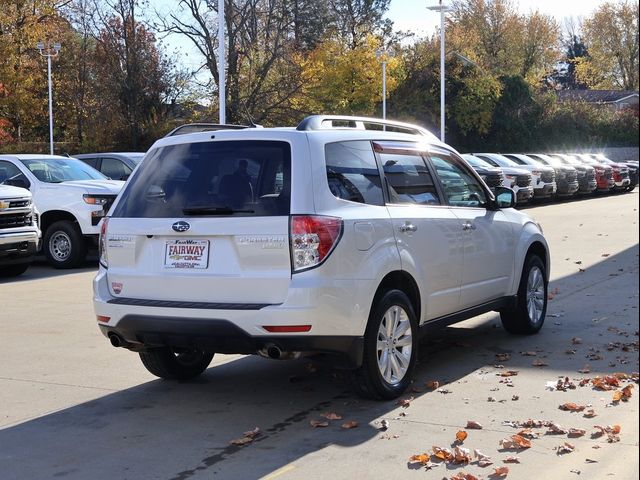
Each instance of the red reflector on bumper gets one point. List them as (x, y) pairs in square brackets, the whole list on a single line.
[(103, 319), (287, 328)]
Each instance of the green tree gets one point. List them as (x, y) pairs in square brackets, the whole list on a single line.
[(612, 33)]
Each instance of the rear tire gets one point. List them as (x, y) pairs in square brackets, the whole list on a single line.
[(528, 314), (631, 188), (64, 245), (390, 348), (175, 364), (13, 270)]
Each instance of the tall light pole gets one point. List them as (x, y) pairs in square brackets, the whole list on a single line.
[(383, 56), (49, 50), (442, 9), (221, 64)]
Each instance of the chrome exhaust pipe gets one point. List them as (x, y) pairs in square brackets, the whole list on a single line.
[(274, 352)]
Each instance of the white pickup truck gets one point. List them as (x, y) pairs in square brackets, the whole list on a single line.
[(71, 197), (19, 233)]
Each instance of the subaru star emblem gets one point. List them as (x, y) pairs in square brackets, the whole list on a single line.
[(181, 226)]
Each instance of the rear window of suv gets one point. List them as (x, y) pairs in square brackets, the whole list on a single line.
[(223, 178)]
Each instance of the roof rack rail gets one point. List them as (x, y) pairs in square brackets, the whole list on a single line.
[(327, 122), (206, 127)]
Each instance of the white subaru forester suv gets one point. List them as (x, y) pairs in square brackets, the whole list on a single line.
[(346, 236)]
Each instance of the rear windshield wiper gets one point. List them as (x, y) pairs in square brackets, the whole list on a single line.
[(213, 211)]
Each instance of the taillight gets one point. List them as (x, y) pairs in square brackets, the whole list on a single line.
[(102, 243), (312, 238)]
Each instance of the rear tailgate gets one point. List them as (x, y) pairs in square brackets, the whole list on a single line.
[(219, 260), (204, 222)]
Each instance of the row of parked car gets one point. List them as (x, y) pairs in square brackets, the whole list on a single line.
[(72, 195), (53, 204), (559, 175)]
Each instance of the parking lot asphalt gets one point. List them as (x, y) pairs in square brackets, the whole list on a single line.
[(73, 407)]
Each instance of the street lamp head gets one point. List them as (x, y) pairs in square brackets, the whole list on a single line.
[(40, 46), (57, 46)]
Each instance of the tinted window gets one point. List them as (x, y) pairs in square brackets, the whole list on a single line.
[(91, 161), (408, 179), (114, 168), (211, 178), (461, 188), (352, 172), (9, 172)]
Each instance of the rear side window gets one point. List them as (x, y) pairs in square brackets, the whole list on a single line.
[(409, 179), (239, 178), (352, 172)]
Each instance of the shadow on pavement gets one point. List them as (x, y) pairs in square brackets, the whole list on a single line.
[(182, 430)]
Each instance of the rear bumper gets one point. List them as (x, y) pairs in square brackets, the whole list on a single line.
[(223, 336)]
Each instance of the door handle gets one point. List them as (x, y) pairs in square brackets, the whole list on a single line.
[(468, 226), (408, 227)]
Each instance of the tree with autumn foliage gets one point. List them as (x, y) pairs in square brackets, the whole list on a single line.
[(612, 38)]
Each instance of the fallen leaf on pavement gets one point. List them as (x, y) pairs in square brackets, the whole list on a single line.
[(527, 433), (590, 413), (482, 459), (241, 441), (576, 340), (611, 431), (461, 455), (626, 392), (508, 373), (515, 441), (529, 354), (585, 369), (247, 437), (442, 453), (432, 384), (472, 425), (555, 428), (405, 402), (422, 458), (617, 396), (384, 424), (331, 416), (461, 436), (539, 363), (350, 424), (565, 448), (576, 432), (511, 460), (464, 476), (318, 423), (572, 407), (500, 472), (503, 357)]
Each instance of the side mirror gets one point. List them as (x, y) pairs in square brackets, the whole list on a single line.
[(17, 182), (505, 197)]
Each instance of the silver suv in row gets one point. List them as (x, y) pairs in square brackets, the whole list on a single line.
[(346, 236)]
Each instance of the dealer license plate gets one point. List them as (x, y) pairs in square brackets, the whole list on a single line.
[(185, 253)]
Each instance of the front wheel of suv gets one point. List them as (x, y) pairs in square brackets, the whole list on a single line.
[(527, 316), (390, 348), (175, 364)]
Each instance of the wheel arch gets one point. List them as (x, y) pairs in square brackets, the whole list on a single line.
[(49, 217), (400, 280)]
